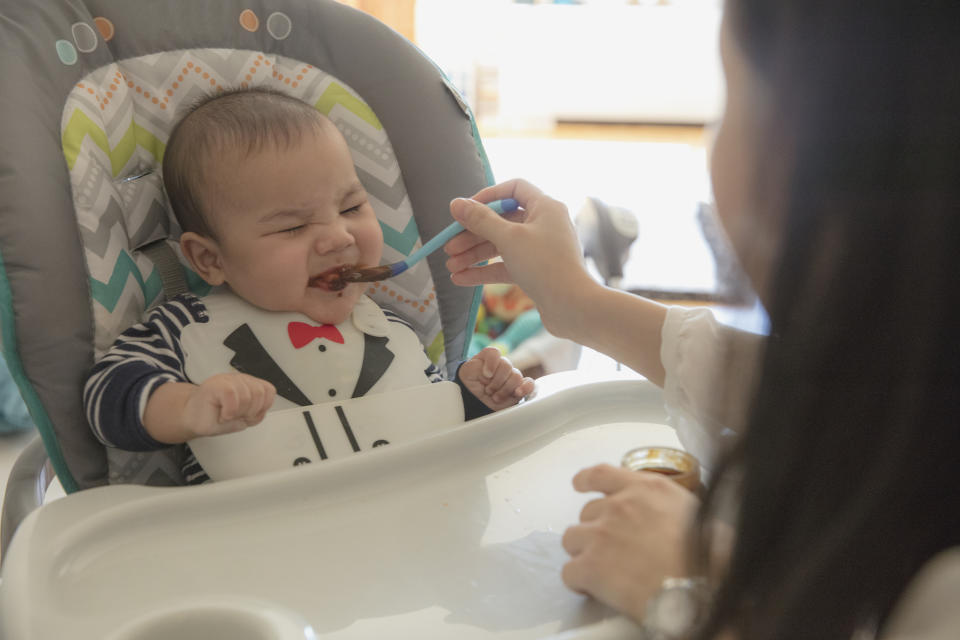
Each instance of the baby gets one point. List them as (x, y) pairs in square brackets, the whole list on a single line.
[(265, 190)]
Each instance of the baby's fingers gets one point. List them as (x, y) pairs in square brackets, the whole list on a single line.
[(262, 394), (513, 388), (500, 372), (246, 400), (232, 398), (525, 387), (507, 384), (490, 358)]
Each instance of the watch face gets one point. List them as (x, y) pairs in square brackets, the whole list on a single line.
[(672, 612), (676, 611)]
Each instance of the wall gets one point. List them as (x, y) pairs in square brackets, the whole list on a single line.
[(399, 14), (605, 62)]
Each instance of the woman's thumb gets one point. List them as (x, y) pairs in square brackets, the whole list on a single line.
[(476, 217)]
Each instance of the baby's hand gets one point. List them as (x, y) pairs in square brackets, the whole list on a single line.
[(494, 380), (227, 402)]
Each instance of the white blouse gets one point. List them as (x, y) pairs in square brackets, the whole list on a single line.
[(710, 371)]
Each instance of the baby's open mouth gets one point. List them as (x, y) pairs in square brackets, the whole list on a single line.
[(331, 279)]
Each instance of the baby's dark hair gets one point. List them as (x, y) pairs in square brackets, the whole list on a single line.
[(241, 121)]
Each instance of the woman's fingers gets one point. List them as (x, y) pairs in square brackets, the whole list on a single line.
[(577, 576), (604, 478), (493, 272), (628, 540), (576, 538), (477, 217), (480, 219), (517, 188), (592, 510), (471, 251)]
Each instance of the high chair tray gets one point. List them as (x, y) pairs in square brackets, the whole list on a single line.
[(455, 535)]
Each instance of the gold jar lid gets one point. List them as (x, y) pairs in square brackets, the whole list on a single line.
[(679, 466)]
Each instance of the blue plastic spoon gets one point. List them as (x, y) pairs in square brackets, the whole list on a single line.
[(338, 279)]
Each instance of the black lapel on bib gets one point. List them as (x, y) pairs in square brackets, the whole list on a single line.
[(251, 358), (376, 361)]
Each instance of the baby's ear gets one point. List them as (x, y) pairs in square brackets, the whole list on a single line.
[(203, 254)]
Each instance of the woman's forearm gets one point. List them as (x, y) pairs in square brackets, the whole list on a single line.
[(621, 325)]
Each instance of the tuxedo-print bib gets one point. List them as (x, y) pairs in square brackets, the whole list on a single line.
[(307, 363)]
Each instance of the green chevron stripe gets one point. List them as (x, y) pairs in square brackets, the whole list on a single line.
[(109, 293), (401, 241), (150, 142), (337, 94), (435, 350), (80, 126)]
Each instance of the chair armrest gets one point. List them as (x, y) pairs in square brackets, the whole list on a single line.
[(27, 485)]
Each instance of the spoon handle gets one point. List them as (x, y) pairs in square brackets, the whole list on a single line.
[(500, 206)]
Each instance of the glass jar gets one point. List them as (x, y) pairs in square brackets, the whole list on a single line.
[(679, 466)]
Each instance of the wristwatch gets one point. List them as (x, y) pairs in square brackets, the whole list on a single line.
[(676, 609)]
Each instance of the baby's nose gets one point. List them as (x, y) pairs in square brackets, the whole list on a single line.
[(334, 237)]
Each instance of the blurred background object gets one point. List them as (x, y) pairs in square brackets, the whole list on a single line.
[(508, 320), (606, 234)]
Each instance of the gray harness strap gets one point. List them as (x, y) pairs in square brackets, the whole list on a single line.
[(169, 267)]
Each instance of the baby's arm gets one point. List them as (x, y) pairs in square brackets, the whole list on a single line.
[(494, 380), (144, 360), (180, 411)]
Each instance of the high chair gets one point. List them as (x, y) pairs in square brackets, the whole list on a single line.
[(455, 533)]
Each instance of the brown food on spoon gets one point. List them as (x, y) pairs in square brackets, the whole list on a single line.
[(367, 274), (331, 279), (339, 277)]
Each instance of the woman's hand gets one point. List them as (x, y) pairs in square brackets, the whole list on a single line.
[(630, 539), (541, 254), (538, 245)]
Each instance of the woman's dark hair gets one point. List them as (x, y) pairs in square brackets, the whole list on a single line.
[(846, 476)]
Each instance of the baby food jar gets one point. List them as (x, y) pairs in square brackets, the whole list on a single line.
[(679, 466)]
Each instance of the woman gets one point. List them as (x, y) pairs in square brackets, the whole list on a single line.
[(836, 176)]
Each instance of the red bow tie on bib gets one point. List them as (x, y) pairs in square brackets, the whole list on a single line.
[(302, 334)]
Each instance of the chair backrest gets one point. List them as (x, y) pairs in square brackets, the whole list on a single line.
[(91, 91)]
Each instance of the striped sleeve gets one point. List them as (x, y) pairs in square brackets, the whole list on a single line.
[(393, 317), (144, 357)]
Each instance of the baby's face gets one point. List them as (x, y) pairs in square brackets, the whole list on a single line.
[(284, 216)]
